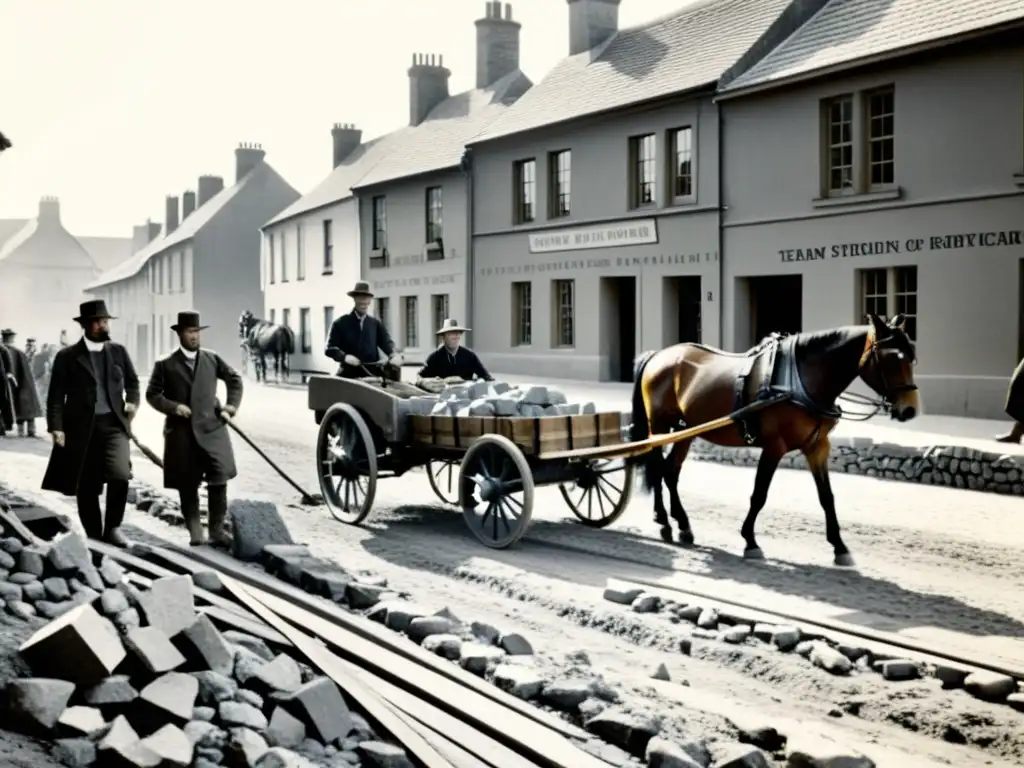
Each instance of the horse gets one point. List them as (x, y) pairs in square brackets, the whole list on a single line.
[(800, 377), (264, 338)]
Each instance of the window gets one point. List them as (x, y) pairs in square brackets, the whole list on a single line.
[(434, 217), (273, 316), (328, 247), (681, 142), (645, 172), (328, 322), (565, 313), (304, 331), (286, 318), (522, 314), (525, 191), (271, 259), (560, 166), (409, 319), (383, 311), (185, 263), (439, 304), (889, 292), (284, 258), (860, 142), (380, 223), (300, 255)]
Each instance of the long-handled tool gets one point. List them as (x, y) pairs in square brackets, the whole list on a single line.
[(308, 499), (149, 453)]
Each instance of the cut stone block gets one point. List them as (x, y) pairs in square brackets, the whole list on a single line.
[(235, 714), (285, 730), (172, 745), (74, 753), (215, 687), (111, 695), (254, 525), (169, 604), (281, 674), (204, 647), (37, 703), (169, 698), (249, 642), (245, 748), (320, 706), (152, 648), (80, 721), (69, 554), (80, 646)]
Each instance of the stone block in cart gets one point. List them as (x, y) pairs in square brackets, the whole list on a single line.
[(532, 435)]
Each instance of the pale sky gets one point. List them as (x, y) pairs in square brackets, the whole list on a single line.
[(113, 104)]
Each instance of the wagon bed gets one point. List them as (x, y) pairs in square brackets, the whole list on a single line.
[(489, 466)]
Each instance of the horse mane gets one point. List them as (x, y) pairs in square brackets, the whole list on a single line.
[(824, 343)]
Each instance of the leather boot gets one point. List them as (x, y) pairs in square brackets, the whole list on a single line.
[(117, 500), (21, 429), (190, 511), (1014, 435), (217, 504), (89, 513), (31, 428)]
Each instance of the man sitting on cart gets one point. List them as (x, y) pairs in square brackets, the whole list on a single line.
[(355, 339), (451, 360)]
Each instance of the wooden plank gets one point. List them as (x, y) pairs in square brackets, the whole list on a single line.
[(249, 624), (382, 646), (373, 705)]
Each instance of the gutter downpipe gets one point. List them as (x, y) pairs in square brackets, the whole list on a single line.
[(466, 166), (721, 226)]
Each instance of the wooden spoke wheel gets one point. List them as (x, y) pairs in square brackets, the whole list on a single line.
[(346, 461), (444, 480), (601, 492), (496, 491)]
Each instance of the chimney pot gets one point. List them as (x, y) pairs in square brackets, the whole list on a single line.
[(428, 86), (345, 137), (188, 203), (497, 45), (171, 214), (508, 12), (247, 157)]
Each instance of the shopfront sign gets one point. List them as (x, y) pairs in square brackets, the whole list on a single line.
[(617, 234), (652, 262), (967, 240), (414, 282)]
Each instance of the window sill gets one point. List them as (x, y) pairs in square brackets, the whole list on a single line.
[(327, 272), (1018, 179), (864, 198)]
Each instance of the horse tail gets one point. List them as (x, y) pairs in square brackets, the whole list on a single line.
[(289, 336), (651, 461)]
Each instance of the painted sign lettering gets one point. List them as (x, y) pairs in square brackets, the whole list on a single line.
[(622, 262), (413, 282), (634, 232), (1003, 239)]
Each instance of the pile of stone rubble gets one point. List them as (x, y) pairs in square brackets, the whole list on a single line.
[(123, 675), (498, 398)]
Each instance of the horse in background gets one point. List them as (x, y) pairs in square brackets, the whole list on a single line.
[(41, 364), (264, 338)]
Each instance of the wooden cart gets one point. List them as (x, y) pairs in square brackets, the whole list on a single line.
[(488, 466)]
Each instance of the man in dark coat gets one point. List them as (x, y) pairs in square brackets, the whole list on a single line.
[(356, 339), (197, 446), (23, 385), (1015, 406), (451, 360), (7, 415), (93, 396)]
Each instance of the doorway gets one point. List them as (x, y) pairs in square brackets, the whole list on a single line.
[(776, 304), (682, 310), (619, 323)]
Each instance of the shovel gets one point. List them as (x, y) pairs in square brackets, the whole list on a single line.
[(308, 499)]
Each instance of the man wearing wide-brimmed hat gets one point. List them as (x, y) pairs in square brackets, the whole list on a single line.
[(93, 396), (451, 359), (357, 339), (197, 446), (23, 385)]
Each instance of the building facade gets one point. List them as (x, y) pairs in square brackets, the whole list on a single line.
[(596, 197), (888, 183), (207, 259)]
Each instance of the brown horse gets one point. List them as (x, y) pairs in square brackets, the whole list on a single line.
[(691, 384)]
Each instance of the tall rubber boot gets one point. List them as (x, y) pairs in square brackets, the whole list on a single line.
[(1014, 435), (217, 503), (190, 511)]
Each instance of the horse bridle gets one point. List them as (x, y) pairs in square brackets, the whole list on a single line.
[(889, 391)]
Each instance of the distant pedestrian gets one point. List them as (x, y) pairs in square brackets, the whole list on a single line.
[(197, 446), (7, 415), (92, 398), (1015, 406), (23, 384)]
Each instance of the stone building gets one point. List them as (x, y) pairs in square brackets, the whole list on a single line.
[(873, 164), (206, 259)]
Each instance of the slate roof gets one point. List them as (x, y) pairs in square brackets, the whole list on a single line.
[(847, 31), (107, 252), (9, 228), (686, 49)]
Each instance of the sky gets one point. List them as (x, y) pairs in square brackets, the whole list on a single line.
[(113, 104)]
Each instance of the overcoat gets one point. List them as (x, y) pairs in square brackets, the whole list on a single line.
[(1015, 395), (172, 384), (364, 342), (71, 405), (7, 417), (26, 399)]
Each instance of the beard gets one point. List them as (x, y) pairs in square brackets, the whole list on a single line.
[(99, 336), (191, 346)]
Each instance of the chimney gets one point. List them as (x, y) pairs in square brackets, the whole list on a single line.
[(346, 137), (152, 230), (139, 240), (497, 44), (49, 210), (171, 214), (591, 22), (428, 85), (188, 203), (208, 187), (247, 157)]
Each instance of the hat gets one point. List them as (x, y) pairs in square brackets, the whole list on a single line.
[(93, 310), (361, 289), (451, 326), (188, 320), (7, 333)]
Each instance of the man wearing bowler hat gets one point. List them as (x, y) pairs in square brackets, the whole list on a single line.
[(93, 396), (22, 383), (451, 360), (356, 339), (197, 446)]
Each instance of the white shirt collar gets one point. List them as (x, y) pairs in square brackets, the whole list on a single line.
[(190, 355), (93, 346)]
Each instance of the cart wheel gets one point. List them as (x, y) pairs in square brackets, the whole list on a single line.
[(601, 492), (346, 461), (496, 491), (444, 479)]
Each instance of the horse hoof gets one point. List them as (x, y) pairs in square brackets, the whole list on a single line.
[(686, 538), (753, 554), (845, 561), (666, 534)]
